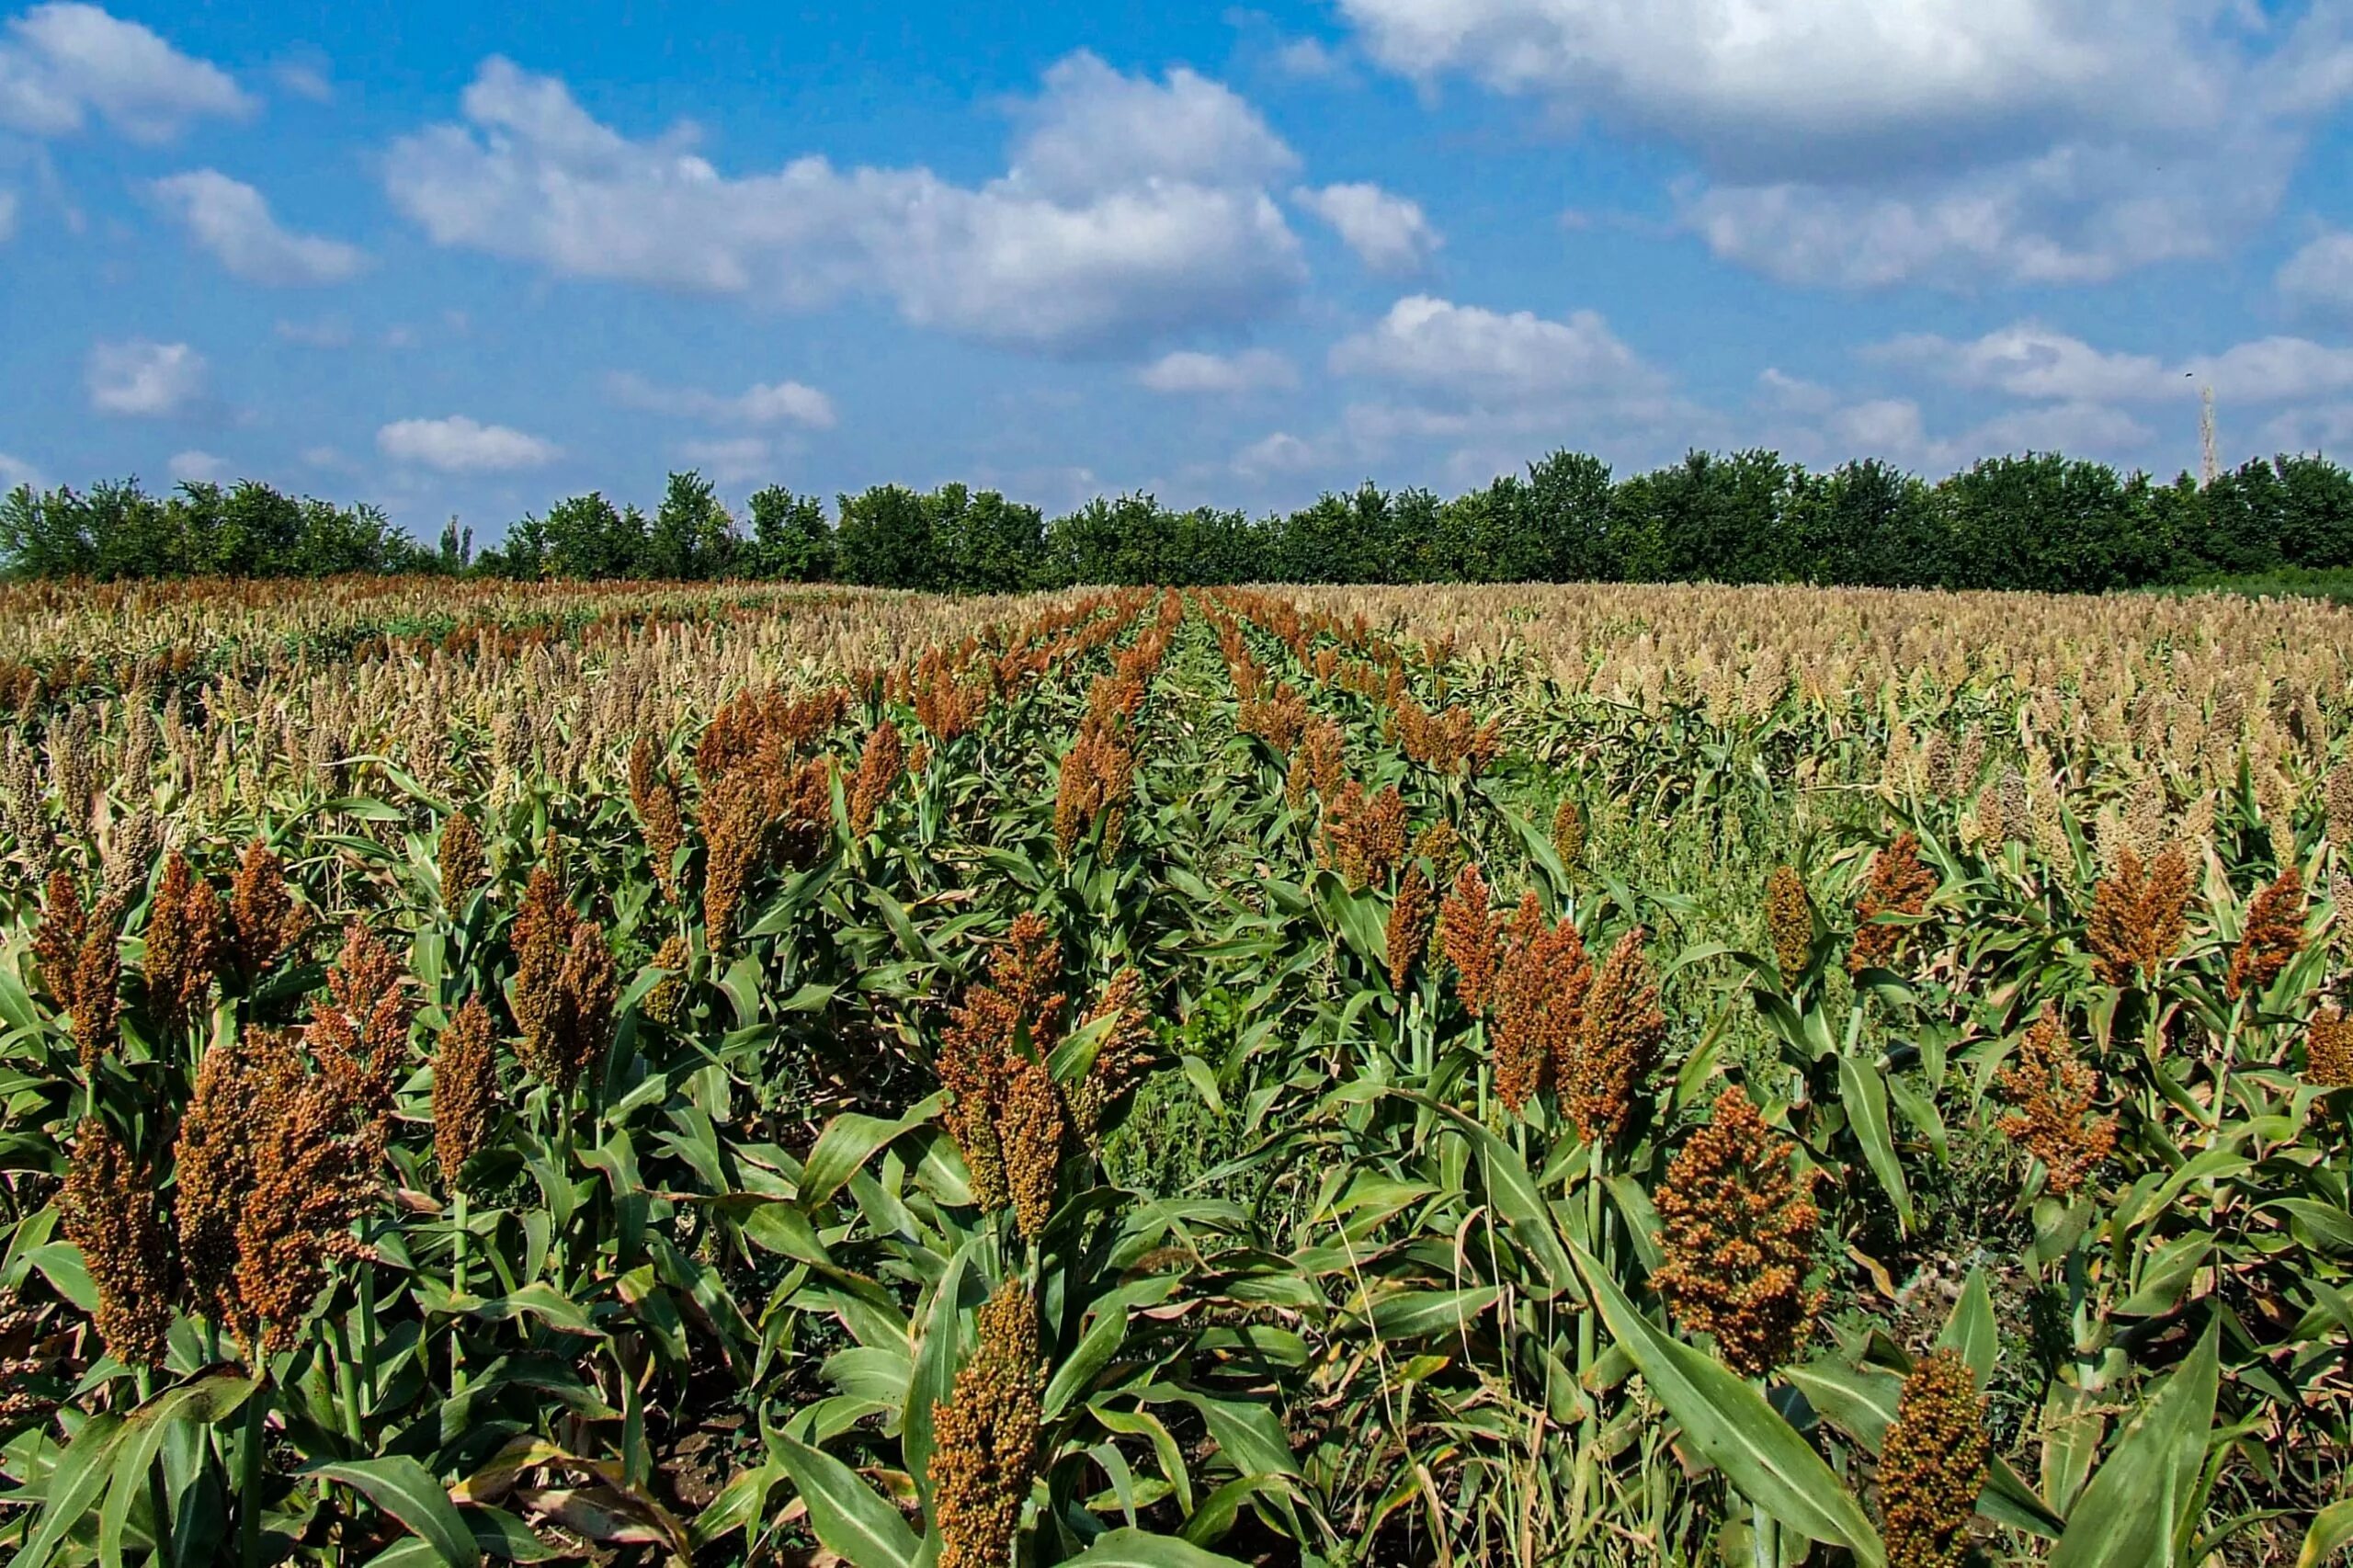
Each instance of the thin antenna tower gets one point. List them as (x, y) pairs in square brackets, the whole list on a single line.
[(2209, 466)]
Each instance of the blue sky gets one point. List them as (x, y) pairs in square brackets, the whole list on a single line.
[(470, 260)]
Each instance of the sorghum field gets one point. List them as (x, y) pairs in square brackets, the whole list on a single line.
[(636, 1074)]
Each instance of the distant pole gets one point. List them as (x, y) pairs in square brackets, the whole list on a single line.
[(2210, 465)]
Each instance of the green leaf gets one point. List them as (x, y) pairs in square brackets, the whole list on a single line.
[(407, 1490), (1409, 1314), (2128, 1516), (1136, 1548), (1730, 1422), (2332, 1531), (847, 1143), (1970, 1329), (1864, 1093), (845, 1512), (80, 1475), (1516, 1197), (210, 1397)]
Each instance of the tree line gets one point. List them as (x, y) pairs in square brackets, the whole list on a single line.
[(2040, 521)]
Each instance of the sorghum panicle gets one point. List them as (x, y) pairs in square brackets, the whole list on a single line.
[(1126, 1051), (2140, 913), (2054, 1092), (1789, 923), (359, 1031), (1409, 925), (107, 1207), (2328, 1050), (1538, 1006), (1622, 1035), (1467, 934), (879, 764), (657, 812), (464, 863), (986, 1436), (1739, 1223), (263, 918), (565, 986), (465, 1089), (2274, 936), (1031, 1128), (665, 1003), (1932, 1464), (979, 1051), (1897, 885), (1569, 830), (185, 941)]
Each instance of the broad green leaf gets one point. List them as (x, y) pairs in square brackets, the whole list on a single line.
[(80, 1474), (1136, 1548), (1730, 1422), (845, 1512), (1409, 1314), (2332, 1531), (1971, 1330), (847, 1143), (2129, 1514), (1864, 1093), (407, 1490)]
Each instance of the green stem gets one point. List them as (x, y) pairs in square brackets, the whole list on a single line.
[(1764, 1538), (156, 1498), (457, 1287), (249, 1470)]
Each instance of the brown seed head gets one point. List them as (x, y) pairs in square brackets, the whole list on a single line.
[(1620, 1042), (565, 986), (879, 764), (465, 864), (465, 1089), (185, 942), (665, 1003), (1409, 925), (2053, 1092), (2140, 913), (657, 811), (1739, 1228), (1932, 1464), (1897, 885), (1467, 933), (2328, 1050), (1121, 1058), (2274, 936), (263, 917), (108, 1206), (1023, 1004), (1539, 1003), (359, 1031), (986, 1436)]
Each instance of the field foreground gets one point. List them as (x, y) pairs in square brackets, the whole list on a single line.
[(1558, 1074)]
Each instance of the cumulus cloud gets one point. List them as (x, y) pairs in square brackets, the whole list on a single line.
[(460, 445), (231, 219), (7, 215), (1279, 453), (61, 64), (1388, 233), (2319, 276), (142, 379), (1130, 207), (1485, 355), (778, 403), (2028, 361), (196, 467), (1193, 373), (17, 471), (1945, 141)]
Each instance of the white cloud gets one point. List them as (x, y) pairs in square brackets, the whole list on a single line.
[(2328, 428), (1130, 207), (2031, 361), (1484, 355), (62, 64), (231, 219), (779, 403), (195, 467), (17, 471), (729, 462), (149, 379), (1190, 371), (460, 445), (326, 458), (1279, 453), (1310, 59), (2320, 276), (304, 76), (1388, 233), (7, 215), (1943, 141)]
